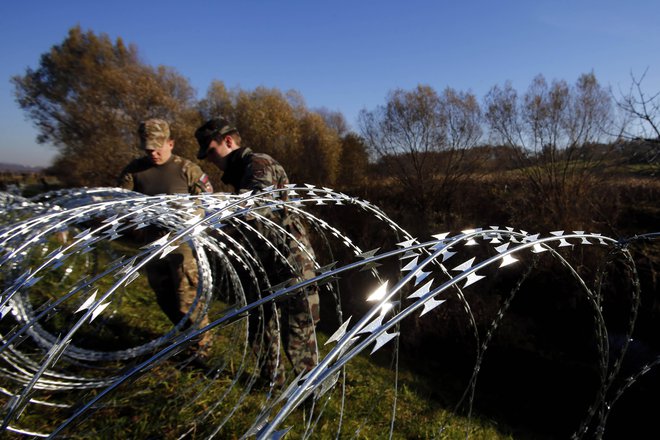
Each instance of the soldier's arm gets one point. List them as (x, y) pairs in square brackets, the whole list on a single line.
[(260, 175), (198, 180), (202, 185)]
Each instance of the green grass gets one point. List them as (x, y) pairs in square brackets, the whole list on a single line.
[(169, 401), (161, 405)]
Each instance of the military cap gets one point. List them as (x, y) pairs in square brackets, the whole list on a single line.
[(153, 133), (212, 129)]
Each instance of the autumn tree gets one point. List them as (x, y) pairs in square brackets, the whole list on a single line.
[(218, 101), (354, 160), (335, 120), (268, 124), (87, 97), (421, 138), (548, 131), (281, 125), (321, 150)]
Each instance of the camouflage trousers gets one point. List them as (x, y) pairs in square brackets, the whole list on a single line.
[(289, 325), (174, 279)]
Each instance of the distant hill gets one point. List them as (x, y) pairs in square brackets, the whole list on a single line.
[(16, 168)]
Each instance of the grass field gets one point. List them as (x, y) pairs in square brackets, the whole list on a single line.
[(174, 399)]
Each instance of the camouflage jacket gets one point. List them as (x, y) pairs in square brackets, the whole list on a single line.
[(247, 170), (176, 176)]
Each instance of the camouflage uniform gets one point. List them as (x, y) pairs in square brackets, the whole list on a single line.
[(173, 278), (298, 315)]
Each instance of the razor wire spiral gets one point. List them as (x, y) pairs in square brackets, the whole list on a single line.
[(67, 271)]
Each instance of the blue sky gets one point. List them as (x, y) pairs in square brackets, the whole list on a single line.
[(342, 55)]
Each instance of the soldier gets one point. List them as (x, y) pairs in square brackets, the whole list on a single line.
[(173, 278), (219, 142)]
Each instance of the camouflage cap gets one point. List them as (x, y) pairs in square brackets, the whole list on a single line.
[(212, 129), (153, 133)]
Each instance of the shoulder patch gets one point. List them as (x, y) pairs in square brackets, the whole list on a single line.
[(205, 183)]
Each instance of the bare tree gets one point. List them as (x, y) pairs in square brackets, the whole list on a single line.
[(642, 120), (421, 137), (548, 131), (334, 120), (461, 113)]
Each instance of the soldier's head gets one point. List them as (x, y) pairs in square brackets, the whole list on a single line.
[(217, 138), (156, 140)]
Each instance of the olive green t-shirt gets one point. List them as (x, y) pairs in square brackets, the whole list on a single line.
[(176, 176)]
